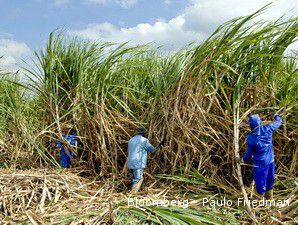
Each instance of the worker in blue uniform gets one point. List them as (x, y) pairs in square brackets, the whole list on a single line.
[(138, 149), (259, 147), (66, 145)]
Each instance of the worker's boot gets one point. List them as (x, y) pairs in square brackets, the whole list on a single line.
[(136, 187), (269, 195)]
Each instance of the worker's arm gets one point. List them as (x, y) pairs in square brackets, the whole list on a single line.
[(73, 145), (73, 141), (249, 153), (149, 147), (276, 124)]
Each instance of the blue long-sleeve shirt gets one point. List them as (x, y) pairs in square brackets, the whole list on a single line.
[(138, 148), (65, 160), (259, 141)]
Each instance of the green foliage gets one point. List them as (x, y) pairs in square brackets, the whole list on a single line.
[(106, 90)]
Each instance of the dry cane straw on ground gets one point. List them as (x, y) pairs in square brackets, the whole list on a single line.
[(49, 193), (44, 196)]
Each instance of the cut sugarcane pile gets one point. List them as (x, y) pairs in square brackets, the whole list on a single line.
[(44, 195)]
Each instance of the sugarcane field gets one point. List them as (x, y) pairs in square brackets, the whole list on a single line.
[(196, 123)]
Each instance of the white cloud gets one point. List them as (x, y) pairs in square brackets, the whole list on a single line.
[(171, 35), (195, 23), (12, 53), (122, 3), (167, 2), (204, 15)]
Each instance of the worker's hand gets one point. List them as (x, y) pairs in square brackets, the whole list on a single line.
[(277, 117)]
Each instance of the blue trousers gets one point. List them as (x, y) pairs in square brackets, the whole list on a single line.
[(137, 175), (264, 178), (65, 161)]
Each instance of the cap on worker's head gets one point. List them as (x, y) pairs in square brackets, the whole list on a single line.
[(141, 130), (254, 121)]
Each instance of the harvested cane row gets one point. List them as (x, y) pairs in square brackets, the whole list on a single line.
[(45, 195)]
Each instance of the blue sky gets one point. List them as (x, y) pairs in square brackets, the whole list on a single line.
[(31, 21), (26, 24)]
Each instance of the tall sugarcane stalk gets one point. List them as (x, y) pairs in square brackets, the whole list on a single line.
[(237, 122)]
